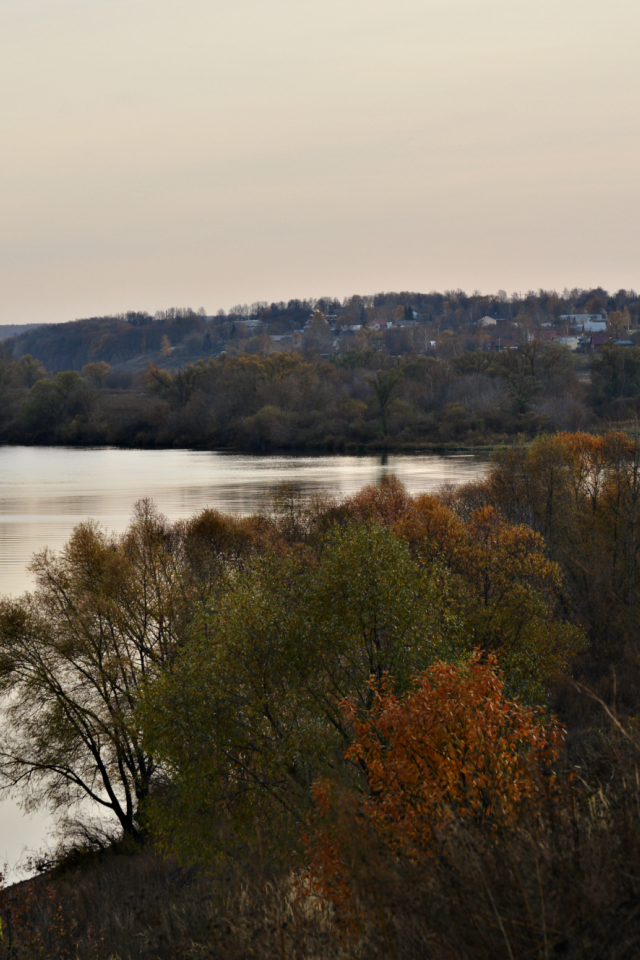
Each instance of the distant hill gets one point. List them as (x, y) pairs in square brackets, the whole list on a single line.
[(173, 338), (8, 330), (406, 322), (115, 340)]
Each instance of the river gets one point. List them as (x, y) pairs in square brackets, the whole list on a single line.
[(46, 491)]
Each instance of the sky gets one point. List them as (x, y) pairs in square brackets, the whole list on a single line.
[(203, 153)]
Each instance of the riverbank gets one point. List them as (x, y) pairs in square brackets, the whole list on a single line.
[(303, 403), (311, 449)]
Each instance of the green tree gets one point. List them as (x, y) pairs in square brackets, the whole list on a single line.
[(519, 369), (251, 714), (52, 403), (615, 373), (104, 616), (29, 370)]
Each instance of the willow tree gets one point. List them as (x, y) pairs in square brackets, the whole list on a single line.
[(106, 614)]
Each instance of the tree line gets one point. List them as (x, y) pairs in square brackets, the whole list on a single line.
[(416, 714), (396, 323), (304, 401)]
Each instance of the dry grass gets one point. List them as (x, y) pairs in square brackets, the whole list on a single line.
[(138, 906), (566, 884)]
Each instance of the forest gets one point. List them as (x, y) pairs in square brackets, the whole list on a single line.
[(383, 726), (301, 400), (405, 371)]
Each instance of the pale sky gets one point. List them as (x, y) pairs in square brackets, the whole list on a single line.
[(158, 153)]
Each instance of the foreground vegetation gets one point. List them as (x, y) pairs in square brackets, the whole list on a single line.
[(387, 726)]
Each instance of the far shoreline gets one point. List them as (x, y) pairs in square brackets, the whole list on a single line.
[(346, 449)]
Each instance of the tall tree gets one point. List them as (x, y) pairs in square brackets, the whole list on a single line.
[(104, 616), (383, 385)]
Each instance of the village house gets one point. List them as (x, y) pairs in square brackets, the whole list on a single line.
[(586, 322), (596, 341), (546, 336)]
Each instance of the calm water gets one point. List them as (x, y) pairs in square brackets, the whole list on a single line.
[(46, 491)]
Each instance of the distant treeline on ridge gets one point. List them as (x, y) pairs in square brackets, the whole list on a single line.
[(391, 370)]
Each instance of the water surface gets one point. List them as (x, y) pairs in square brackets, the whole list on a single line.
[(46, 491)]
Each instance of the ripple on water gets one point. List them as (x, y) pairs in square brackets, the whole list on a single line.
[(46, 491)]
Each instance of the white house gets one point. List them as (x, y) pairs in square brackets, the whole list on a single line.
[(588, 322), (571, 342)]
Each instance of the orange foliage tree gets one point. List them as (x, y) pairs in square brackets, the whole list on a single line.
[(506, 588), (454, 749), (384, 503)]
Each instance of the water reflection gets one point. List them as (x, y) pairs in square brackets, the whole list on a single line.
[(46, 491)]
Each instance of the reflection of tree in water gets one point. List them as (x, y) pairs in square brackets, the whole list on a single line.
[(386, 473)]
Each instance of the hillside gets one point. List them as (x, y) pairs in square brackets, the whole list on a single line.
[(8, 330), (403, 371), (451, 323), (114, 340)]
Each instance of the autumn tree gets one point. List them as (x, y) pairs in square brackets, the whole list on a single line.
[(580, 492), (505, 589), (618, 322), (317, 334), (379, 586), (454, 749), (72, 657), (509, 592), (97, 373)]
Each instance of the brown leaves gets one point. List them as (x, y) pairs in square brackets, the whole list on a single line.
[(507, 588), (453, 749)]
